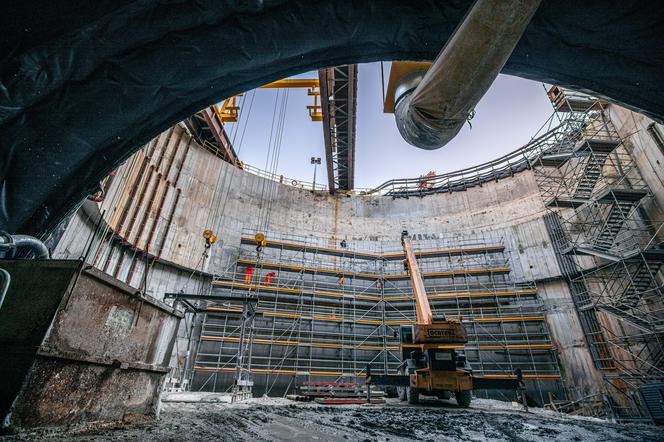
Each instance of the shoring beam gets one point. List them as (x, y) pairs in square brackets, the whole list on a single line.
[(338, 87)]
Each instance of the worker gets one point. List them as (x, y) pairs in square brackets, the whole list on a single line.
[(248, 272), (341, 280), (379, 284), (344, 244), (269, 276), (426, 180)]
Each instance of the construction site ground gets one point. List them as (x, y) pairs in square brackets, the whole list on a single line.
[(276, 419)]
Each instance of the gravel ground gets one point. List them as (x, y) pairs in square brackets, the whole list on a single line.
[(270, 419)]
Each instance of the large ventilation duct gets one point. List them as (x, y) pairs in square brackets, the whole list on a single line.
[(431, 106)]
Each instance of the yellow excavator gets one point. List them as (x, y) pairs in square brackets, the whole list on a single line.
[(433, 360), (429, 348)]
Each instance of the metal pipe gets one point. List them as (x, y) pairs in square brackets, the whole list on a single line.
[(6, 280), (432, 106), (36, 246), (9, 244)]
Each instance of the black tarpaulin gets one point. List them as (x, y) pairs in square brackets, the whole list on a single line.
[(84, 84)]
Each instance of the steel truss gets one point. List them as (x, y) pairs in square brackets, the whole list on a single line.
[(338, 87)]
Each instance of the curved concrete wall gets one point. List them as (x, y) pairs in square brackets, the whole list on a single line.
[(510, 209), (162, 199)]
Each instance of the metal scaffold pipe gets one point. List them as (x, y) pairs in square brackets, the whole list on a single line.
[(432, 105)]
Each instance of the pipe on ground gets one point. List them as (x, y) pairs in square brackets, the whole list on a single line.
[(432, 105)]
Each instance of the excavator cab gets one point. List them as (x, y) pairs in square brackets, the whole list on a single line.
[(434, 371), (441, 359)]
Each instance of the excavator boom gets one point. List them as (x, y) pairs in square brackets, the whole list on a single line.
[(428, 329), (422, 307)]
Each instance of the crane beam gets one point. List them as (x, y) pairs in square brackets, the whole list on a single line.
[(229, 112), (338, 87), (293, 83)]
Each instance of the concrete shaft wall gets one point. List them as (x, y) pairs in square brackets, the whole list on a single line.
[(162, 199)]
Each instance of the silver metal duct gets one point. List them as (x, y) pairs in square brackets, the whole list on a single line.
[(432, 106)]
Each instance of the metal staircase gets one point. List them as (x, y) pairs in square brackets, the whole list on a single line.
[(590, 175), (641, 282), (615, 219), (600, 204), (622, 314), (597, 149)]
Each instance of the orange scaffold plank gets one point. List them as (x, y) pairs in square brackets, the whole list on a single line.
[(371, 276), (371, 347), (378, 321), (273, 288), (341, 373), (372, 255)]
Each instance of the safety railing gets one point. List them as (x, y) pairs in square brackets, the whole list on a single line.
[(554, 136), (505, 166), (281, 179)]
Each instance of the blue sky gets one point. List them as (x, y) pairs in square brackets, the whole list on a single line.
[(506, 118)]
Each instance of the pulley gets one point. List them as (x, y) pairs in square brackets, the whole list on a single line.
[(210, 237), (260, 241)]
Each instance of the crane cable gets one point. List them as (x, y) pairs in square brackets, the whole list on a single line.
[(273, 154), (275, 163), (219, 214), (267, 157), (223, 171), (221, 208)]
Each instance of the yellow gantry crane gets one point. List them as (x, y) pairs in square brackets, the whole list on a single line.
[(229, 110)]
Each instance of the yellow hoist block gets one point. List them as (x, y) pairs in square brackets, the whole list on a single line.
[(210, 237), (260, 239)]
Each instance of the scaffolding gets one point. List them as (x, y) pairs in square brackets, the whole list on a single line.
[(328, 309), (607, 246)]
